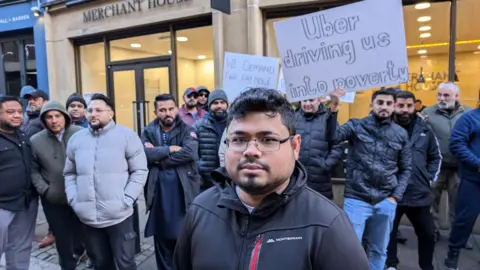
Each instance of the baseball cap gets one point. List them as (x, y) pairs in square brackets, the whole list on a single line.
[(36, 94), (190, 91)]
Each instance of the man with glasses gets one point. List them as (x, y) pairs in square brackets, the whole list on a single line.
[(202, 101), (261, 214), (379, 166), (173, 181), (189, 112), (105, 171)]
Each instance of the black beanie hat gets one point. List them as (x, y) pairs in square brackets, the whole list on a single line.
[(217, 94), (76, 97)]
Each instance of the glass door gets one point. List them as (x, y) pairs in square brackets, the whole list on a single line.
[(134, 88)]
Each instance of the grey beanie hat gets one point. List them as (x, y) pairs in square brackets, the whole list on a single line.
[(217, 94)]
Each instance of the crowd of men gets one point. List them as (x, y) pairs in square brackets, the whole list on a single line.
[(234, 185)]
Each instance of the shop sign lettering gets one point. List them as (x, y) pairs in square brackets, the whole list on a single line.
[(344, 47), (15, 19), (126, 7)]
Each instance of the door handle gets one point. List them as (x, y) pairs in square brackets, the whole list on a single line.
[(134, 112), (142, 116), (148, 111)]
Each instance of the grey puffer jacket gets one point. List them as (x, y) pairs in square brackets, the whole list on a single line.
[(379, 159), (105, 172), (442, 123)]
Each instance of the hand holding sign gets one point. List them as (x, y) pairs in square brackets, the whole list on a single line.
[(335, 99)]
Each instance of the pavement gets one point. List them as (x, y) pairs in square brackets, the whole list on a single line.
[(47, 258)]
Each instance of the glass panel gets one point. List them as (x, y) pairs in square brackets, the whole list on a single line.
[(156, 83), (125, 94), (11, 64), (140, 47), (195, 59), (468, 51), (92, 67), (31, 66)]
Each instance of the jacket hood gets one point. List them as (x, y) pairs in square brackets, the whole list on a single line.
[(229, 197), (55, 106)]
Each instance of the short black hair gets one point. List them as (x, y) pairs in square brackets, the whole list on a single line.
[(262, 100), (4, 99), (405, 95), (418, 100), (164, 97), (386, 92), (103, 98)]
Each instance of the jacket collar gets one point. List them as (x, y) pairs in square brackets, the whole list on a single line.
[(103, 130), (155, 129), (271, 203)]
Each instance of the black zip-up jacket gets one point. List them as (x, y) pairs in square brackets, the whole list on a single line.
[(298, 229), (183, 161), (426, 162), (317, 153), (34, 124), (379, 161), (16, 189), (208, 145)]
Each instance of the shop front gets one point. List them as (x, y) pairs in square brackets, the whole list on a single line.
[(22, 46)]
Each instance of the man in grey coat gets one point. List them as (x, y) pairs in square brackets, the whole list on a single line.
[(48, 161), (105, 171), (442, 118)]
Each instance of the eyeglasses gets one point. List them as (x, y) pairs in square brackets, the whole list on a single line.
[(96, 111), (263, 144), (203, 95)]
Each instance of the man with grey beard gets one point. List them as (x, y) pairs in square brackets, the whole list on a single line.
[(442, 118)]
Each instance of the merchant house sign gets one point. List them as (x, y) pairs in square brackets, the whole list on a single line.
[(126, 7)]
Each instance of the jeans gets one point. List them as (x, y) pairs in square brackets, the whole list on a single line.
[(380, 223), (467, 211), (422, 222), (447, 178)]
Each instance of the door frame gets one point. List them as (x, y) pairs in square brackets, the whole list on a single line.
[(138, 68)]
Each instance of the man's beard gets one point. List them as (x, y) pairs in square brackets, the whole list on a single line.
[(191, 105), (8, 127), (446, 105), (221, 115), (404, 120), (98, 126), (166, 123), (381, 118)]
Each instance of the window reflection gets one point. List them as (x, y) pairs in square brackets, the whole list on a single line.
[(140, 47), (11, 65), (92, 67)]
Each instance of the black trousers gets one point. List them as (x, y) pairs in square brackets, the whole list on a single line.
[(64, 223), (164, 249), (422, 222), (114, 244)]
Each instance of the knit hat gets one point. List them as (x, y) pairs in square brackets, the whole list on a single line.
[(217, 94), (203, 89), (76, 97)]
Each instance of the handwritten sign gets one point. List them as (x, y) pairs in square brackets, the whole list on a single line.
[(354, 47), (281, 83), (243, 71)]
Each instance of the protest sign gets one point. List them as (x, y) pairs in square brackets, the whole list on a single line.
[(243, 71), (354, 47), (281, 83)]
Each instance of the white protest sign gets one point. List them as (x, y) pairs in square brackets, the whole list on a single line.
[(348, 98), (354, 47), (243, 71)]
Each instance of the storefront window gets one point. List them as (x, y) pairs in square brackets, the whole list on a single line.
[(140, 47), (468, 51), (31, 65), (92, 68), (11, 63), (194, 59)]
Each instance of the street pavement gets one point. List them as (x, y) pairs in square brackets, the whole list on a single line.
[(47, 258)]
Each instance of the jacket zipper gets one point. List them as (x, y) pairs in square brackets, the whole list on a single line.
[(256, 253), (245, 223)]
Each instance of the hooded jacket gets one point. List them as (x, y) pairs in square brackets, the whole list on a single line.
[(298, 229), (48, 157)]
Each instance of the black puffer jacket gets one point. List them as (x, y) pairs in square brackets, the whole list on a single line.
[(33, 125), (208, 145), (295, 230), (379, 159), (317, 153), (426, 162)]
